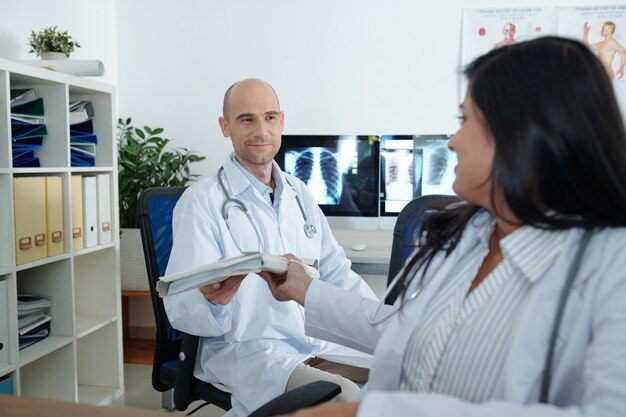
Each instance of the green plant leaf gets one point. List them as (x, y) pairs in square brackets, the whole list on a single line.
[(145, 160)]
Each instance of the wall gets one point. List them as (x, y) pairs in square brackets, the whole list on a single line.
[(91, 23), (339, 67)]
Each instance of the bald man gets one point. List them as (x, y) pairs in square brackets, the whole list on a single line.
[(252, 345)]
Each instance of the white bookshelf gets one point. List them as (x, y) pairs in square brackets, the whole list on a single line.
[(81, 361)]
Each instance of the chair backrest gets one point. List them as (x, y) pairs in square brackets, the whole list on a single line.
[(155, 210), (407, 231)]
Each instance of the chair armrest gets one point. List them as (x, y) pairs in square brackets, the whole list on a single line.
[(302, 397)]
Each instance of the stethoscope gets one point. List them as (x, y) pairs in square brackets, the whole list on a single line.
[(374, 320), (232, 202)]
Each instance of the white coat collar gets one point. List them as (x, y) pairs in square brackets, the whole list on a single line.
[(236, 182)]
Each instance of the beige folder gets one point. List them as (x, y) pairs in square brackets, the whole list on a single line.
[(54, 215), (77, 212), (30, 218)]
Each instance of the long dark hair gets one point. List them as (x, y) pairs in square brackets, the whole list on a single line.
[(560, 143)]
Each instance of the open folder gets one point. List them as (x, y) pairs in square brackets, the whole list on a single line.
[(247, 263)]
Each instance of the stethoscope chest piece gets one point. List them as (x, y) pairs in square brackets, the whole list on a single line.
[(309, 230)]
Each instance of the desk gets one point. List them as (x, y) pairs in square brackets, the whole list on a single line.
[(12, 406), (378, 245), (372, 264)]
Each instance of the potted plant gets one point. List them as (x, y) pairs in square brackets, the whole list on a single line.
[(144, 161), (49, 43)]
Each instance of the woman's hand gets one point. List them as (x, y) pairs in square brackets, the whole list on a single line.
[(329, 410), (222, 292), (293, 285)]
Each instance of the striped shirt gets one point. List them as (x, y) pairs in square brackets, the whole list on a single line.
[(460, 345)]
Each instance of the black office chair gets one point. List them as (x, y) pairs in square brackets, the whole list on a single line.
[(175, 352), (407, 230)]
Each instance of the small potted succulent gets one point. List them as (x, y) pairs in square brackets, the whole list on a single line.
[(50, 43)]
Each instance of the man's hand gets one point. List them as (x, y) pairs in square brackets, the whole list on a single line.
[(293, 285), (222, 292), (328, 410), (586, 28)]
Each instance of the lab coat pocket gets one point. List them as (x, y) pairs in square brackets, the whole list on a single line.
[(309, 246)]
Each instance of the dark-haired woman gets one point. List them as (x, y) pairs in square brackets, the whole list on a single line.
[(514, 304)]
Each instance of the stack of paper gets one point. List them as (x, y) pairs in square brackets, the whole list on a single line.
[(27, 126), (251, 262), (33, 317), (82, 139)]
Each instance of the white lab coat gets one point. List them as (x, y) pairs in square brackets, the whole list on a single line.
[(589, 372), (251, 346)]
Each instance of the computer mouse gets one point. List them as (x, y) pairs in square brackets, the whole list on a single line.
[(358, 246)]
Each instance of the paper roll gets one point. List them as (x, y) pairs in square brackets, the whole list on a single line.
[(85, 67)]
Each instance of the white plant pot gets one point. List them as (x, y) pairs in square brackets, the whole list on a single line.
[(53, 55), (132, 262)]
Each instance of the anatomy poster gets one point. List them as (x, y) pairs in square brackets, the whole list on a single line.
[(603, 30), (487, 29)]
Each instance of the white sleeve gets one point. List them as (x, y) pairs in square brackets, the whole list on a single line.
[(334, 266), (340, 316), (194, 244)]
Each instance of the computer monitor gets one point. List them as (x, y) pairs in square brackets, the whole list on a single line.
[(340, 171), (411, 166)]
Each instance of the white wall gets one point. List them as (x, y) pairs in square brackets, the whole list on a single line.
[(91, 23), (339, 67)]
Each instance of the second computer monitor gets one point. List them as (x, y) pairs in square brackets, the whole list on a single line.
[(411, 166)]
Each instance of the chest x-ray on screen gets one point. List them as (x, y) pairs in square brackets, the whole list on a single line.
[(437, 165), (340, 171)]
